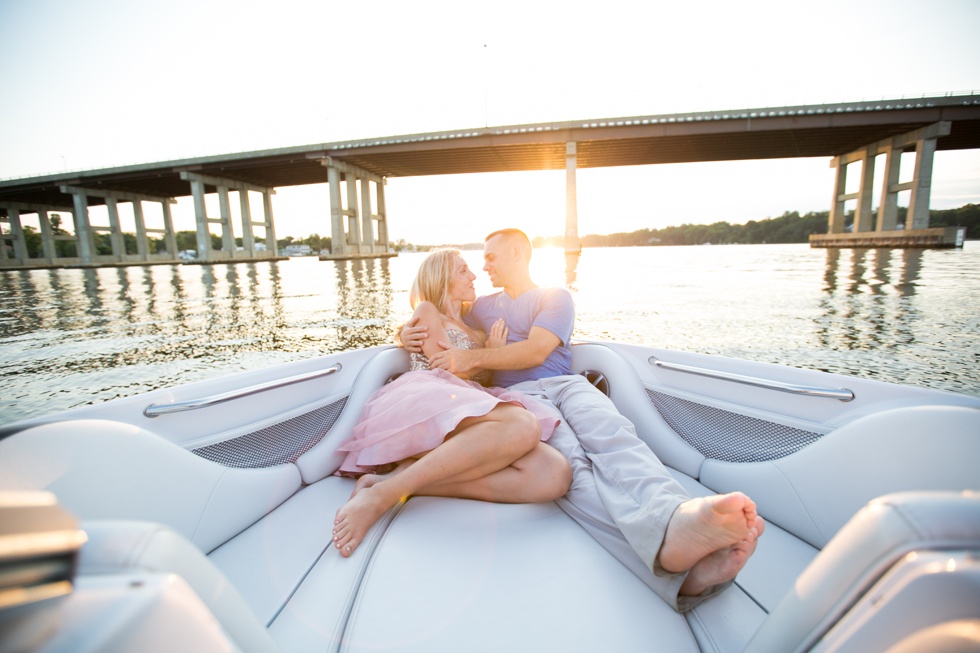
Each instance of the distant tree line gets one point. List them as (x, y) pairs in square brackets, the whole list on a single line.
[(790, 227)]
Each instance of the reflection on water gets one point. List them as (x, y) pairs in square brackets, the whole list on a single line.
[(363, 303), (571, 269), (71, 337)]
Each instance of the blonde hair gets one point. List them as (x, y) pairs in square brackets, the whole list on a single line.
[(434, 276)]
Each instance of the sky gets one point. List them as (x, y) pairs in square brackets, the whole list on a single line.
[(105, 83)]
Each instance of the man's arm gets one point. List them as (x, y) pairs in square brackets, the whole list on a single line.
[(515, 356), (412, 336)]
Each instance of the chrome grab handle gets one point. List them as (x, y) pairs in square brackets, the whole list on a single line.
[(155, 410), (841, 394)]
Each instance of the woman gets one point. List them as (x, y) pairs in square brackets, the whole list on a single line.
[(442, 435)]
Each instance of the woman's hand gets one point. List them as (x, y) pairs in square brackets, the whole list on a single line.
[(498, 335)]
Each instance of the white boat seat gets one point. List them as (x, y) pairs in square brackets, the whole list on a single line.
[(289, 573), (119, 547), (101, 469), (826, 600), (452, 575)]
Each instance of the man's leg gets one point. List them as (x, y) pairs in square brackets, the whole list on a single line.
[(621, 493)]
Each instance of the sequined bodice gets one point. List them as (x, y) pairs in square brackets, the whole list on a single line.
[(457, 338)]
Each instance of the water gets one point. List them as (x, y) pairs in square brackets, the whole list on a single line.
[(74, 337)]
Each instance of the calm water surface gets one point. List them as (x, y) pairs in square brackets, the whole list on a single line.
[(74, 337)]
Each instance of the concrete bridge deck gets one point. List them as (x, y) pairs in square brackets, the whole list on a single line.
[(848, 132), (764, 133)]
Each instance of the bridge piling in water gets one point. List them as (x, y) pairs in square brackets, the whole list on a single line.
[(229, 250), (882, 230), (572, 243), (358, 239)]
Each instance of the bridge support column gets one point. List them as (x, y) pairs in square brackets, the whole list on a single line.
[(864, 219), (142, 242), (382, 217), (248, 238), (224, 211), (356, 238), (884, 230), (16, 238), (169, 235), (49, 252), (918, 216), (115, 233), (572, 242), (269, 223), (367, 217), (84, 231), (199, 184)]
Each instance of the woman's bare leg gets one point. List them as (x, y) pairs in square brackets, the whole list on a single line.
[(367, 480), (482, 445), (539, 476)]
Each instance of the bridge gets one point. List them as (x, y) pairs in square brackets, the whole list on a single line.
[(848, 132)]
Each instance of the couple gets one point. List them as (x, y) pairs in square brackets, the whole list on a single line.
[(685, 549)]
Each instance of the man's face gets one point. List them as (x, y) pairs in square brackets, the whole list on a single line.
[(498, 260)]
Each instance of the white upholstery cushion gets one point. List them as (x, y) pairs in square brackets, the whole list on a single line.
[(728, 621), (101, 469), (626, 391), (813, 492), (323, 459), (117, 613), (115, 547), (455, 575), (289, 573), (876, 538)]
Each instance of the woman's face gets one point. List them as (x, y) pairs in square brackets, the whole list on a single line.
[(461, 283)]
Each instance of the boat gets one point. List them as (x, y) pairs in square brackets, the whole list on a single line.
[(198, 518)]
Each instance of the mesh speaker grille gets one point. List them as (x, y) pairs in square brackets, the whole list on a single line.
[(277, 444), (724, 435)]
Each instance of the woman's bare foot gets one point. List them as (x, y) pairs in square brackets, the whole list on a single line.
[(368, 480), (704, 525), (357, 516), (722, 565)]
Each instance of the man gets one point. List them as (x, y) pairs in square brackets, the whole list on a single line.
[(685, 549)]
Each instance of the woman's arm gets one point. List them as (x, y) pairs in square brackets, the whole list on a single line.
[(427, 315)]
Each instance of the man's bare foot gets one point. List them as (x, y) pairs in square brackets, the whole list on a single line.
[(722, 565), (357, 516), (704, 525)]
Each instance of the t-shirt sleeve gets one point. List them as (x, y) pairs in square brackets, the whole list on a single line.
[(557, 313)]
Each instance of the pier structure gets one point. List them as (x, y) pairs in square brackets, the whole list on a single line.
[(229, 251), (352, 229), (882, 229), (83, 251)]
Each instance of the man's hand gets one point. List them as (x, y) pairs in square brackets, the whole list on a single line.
[(411, 336), (452, 359)]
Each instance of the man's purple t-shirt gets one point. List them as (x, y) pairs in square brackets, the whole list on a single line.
[(548, 308)]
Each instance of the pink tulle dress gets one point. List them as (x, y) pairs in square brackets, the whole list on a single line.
[(415, 412)]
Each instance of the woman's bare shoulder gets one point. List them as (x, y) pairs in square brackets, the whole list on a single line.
[(427, 313)]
